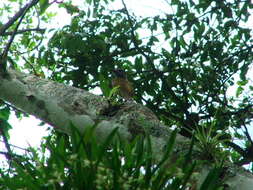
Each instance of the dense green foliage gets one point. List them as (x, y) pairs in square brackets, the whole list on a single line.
[(182, 69), (185, 81), (76, 162)]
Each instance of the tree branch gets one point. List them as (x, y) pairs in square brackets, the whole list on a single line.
[(41, 30), (16, 16), (134, 38), (63, 106)]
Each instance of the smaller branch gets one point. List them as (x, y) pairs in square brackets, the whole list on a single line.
[(31, 65), (16, 16), (6, 50), (58, 2), (236, 148), (134, 38), (30, 50), (41, 30), (6, 154), (7, 146), (14, 157), (6, 143), (24, 149), (246, 132), (20, 15), (14, 108)]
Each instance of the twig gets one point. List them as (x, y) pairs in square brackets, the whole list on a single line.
[(6, 49), (7, 145), (246, 132), (30, 50), (41, 30), (31, 65), (20, 14), (134, 38), (24, 149), (14, 108), (5, 140)]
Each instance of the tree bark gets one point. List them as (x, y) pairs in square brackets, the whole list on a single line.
[(61, 105)]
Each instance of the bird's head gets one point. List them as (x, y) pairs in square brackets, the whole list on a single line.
[(120, 73)]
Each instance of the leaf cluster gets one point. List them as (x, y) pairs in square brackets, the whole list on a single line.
[(182, 70), (204, 48)]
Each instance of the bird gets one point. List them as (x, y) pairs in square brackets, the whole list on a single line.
[(120, 80)]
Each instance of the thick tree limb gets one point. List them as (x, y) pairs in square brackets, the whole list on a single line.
[(61, 106)]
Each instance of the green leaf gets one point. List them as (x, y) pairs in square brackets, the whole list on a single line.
[(230, 24), (239, 91), (88, 1), (4, 113), (242, 82), (204, 4), (212, 180), (138, 63), (169, 148), (105, 145), (105, 86), (174, 2), (44, 4), (227, 12), (113, 91), (244, 71), (5, 126)]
